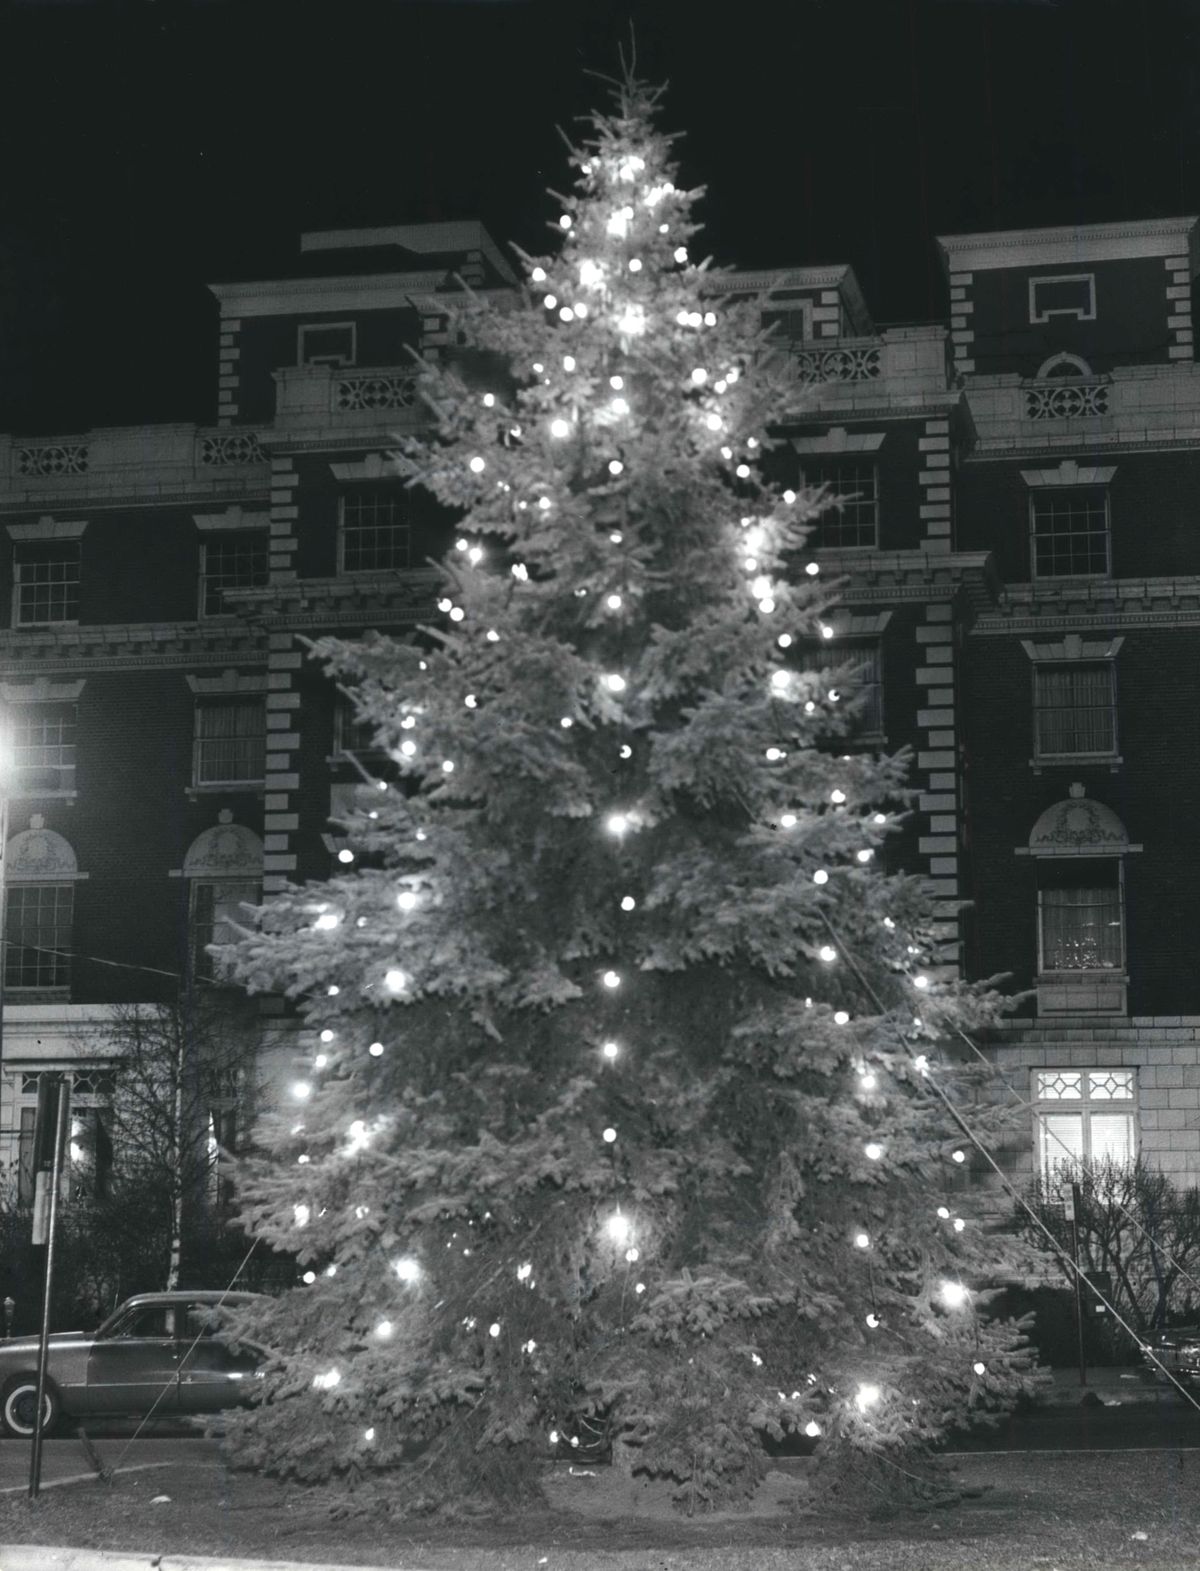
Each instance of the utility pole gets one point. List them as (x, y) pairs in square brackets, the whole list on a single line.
[(59, 1084), (1072, 1201)]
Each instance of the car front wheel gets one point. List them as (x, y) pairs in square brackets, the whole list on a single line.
[(19, 1404)]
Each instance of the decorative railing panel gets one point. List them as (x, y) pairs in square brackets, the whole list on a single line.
[(229, 449), (1065, 400), (379, 390), (53, 458), (845, 362)]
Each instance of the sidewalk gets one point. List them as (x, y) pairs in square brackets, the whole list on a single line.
[(1108, 1385), (41, 1557)]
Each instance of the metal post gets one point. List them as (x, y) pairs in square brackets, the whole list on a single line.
[(60, 1135)]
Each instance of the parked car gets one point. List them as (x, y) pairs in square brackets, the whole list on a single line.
[(1177, 1351), (159, 1351)]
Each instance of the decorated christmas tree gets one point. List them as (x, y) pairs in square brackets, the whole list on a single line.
[(625, 1123)]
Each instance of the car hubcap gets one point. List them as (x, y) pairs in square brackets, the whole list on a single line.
[(22, 1406)]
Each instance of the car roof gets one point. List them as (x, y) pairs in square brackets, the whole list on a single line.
[(199, 1296)]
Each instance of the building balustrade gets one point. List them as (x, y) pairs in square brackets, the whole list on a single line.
[(316, 397), (143, 461), (1130, 405), (847, 360)]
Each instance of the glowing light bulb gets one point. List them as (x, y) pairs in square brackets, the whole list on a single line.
[(713, 421), (407, 1268), (320, 1061), (632, 321), (619, 406), (492, 636), (611, 979), (780, 679), (788, 821), (560, 428), (625, 751), (959, 1224), (944, 1213), (301, 1090), (873, 1321), (395, 981), (866, 1397), (300, 1215), (615, 682), (635, 264), (376, 1050), (384, 1330), (477, 465), (628, 903), (827, 953), (614, 602), (566, 722), (958, 1156), (820, 876), (494, 1328), (565, 221), (345, 855), (921, 981), (328, 1380), (539, 277), (699, 376), (408, 748), (618, 1228), (742, 471), (979, 1367), (812, 1429), (309, 1278), (369, 1434), (862, 1241), (615, 466), (327, 920), (954, 1295), (609, 1135), (681, 254), (837, 796), (774, 754), (873, 1150), (489, 399), (610, 1050), (841, 1018), (616, 823)]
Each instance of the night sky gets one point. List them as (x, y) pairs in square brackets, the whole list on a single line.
[(151, 146)]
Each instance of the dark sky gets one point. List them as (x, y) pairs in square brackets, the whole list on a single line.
[(153, 145)]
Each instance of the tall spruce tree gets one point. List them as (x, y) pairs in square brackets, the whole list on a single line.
[(616, 1121)]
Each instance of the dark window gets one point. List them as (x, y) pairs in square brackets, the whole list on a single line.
[(47, 582), (850, 516), (793, 326), (215, 916), (352, 734), (234, 561), (230, 741), (37, 932), (26, 1138), (1070, 531), (862, 687), (1074, 710), (374, 535), (327, 343), (43, 746), (1082, 920)]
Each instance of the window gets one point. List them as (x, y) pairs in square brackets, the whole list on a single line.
[(327, 343), (230, 741), (863, 688), (1071, 295), (850, 518), (374, 537), (1074, 710), (234, 561), (91, 1145), (37, 931), (43, 747), (1081, 914), (46, 582), (793, 325), (1070, 531), (215, 916), (1083, 1115), (352, 735)]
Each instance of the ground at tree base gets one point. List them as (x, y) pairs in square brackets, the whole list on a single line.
[(1061, 1513)]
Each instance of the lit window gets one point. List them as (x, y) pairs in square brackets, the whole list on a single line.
[(216, 914), (230, 746), (37, 931), (43, 747), (233, 561), (1070, 531), (1083, 1115), (849, 519), (1074, 710), (1081, 914), (374, 536), (46, 588)]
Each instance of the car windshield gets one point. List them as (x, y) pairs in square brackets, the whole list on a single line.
[(147, 1320)]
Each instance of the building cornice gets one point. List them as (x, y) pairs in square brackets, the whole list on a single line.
[(1104, 605), (1069, 243), (362, 292)]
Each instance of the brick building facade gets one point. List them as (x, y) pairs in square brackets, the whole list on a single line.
[(1021, 602)]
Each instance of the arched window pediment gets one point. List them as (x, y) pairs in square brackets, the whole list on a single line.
[(227, 850), (1079, 827), (40, 855)]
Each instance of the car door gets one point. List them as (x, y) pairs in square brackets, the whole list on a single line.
[(135, 1366), (212, 1375)]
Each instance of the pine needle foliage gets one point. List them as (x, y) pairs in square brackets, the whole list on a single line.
[(605, 1078)]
